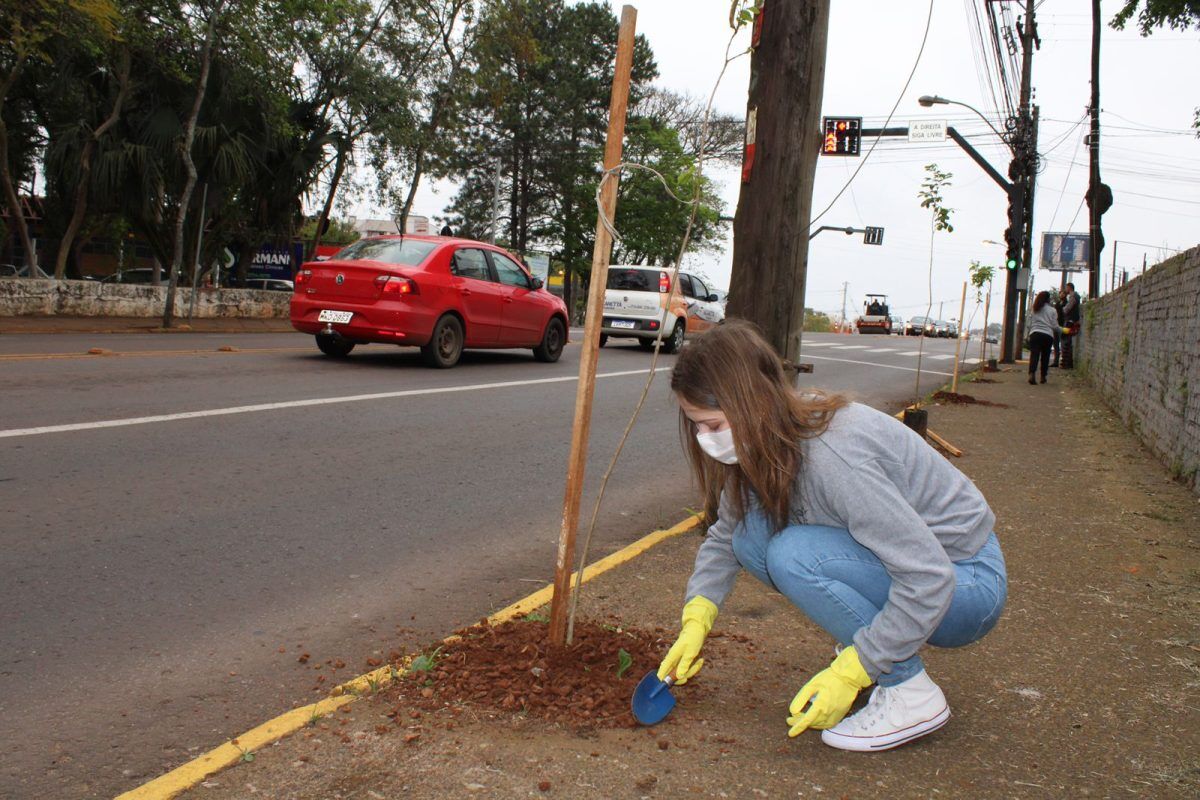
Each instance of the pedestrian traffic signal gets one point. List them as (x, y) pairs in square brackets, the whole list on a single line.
[(843, 136)]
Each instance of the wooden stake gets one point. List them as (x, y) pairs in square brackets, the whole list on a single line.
[(585, 391), (958, 339), (987, 306), (942, 443)]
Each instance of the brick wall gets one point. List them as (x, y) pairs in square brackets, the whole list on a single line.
[(1140, 347)]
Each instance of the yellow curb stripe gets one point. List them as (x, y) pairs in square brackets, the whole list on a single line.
[(188, 775)]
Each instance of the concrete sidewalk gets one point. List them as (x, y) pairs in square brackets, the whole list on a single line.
[(60, 324), (1089, 686)]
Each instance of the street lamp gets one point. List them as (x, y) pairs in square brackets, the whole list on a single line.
[(927, 100)]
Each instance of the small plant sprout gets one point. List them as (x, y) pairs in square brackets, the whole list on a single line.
[(534, 616), (624, 662), (425, 662)]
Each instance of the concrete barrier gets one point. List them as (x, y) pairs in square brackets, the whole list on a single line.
[(21, 297)]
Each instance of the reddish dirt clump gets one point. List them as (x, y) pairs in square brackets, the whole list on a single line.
[(513, 668), (963, 399)]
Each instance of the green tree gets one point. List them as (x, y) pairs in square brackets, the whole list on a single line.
[(31, 26), (816, 322), (534, 121), (649, 219)]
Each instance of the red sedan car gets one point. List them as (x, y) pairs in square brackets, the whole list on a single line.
[(437, 293)]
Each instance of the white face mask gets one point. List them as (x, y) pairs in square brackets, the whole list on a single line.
[(719, 445)]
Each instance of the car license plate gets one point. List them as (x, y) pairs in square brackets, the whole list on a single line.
[(328, 315), (624, 323)]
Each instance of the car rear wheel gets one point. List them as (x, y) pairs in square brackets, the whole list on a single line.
[(334, 346), (552, 342), (446, 344), (675, 343)]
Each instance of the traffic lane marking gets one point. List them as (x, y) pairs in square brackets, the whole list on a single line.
[(852, 361), (128, 353), (320, 401)]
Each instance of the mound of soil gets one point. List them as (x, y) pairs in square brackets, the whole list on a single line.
[(513, 668), (963, 399)]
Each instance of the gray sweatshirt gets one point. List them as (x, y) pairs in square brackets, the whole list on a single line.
[(899, 498), (1044, 320)]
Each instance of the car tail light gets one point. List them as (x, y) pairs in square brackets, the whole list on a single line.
[(396, 285), (303, 277), (653, 324), (664, 283)]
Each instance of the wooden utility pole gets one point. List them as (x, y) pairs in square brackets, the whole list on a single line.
[(783, 140), (1096, 205), (560, 602)]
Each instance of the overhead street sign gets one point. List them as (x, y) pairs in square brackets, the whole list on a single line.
[(873, 235), (927, 130)]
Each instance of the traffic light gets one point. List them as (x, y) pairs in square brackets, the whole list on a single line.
[(1014, 233), (843, 136)]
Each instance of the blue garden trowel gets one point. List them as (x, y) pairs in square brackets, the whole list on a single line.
[(652, 699)]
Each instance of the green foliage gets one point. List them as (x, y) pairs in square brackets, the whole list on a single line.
[(980, 276), (624, 662), (816, 322), (534, 616), (650, 220), (1177, 14), (425, 662), (535, 112), (931, 196), (340, 231)]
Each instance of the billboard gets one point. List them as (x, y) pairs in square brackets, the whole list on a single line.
[(276, 261), (1065, 252)]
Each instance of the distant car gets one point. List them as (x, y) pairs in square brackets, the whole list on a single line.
[(919, 326), (898, 325), (941, 329), (635, 300), (271, 284), (438, 293)]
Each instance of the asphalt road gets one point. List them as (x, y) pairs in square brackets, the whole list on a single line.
[(178, 526)]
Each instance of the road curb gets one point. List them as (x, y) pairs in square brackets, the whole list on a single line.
[(187, 776)]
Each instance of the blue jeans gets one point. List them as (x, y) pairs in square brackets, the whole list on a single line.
[(842, 585)]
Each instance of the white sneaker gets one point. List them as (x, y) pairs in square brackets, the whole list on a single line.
[(894, 715)]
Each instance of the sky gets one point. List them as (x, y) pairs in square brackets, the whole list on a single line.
[(1149, 153)]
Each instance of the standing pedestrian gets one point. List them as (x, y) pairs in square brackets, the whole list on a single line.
[(1042, 324), (1070, 322), (852, 517)]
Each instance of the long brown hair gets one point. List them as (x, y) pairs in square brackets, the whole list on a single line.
[(1040, 300), (733, 369)]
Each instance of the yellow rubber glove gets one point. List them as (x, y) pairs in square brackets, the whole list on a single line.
[(829, 694), (698, 616)]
